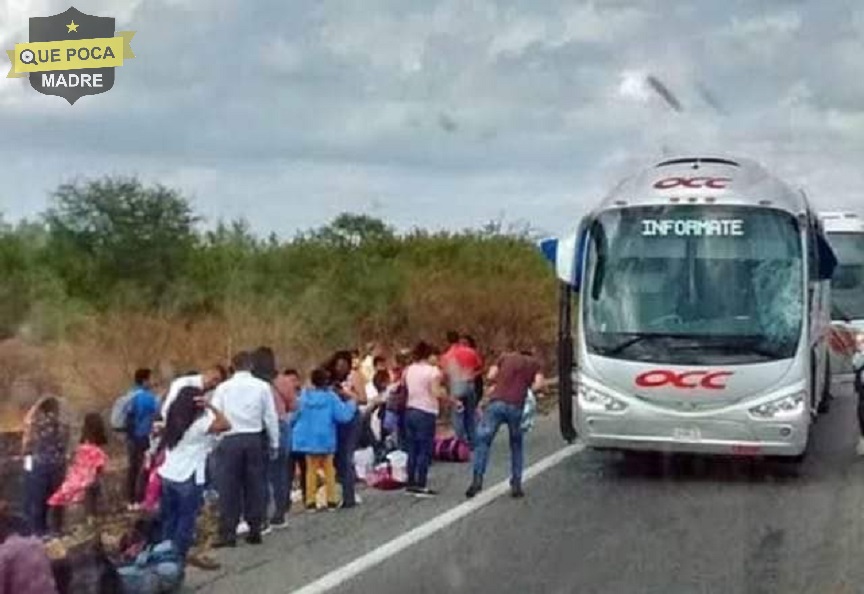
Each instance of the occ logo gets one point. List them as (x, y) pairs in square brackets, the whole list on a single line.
[(693, 183), (661, 378)]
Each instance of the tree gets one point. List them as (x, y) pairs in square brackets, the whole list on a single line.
[(353, 230), (113, 235)]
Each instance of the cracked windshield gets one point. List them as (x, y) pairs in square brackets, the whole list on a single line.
[(436, 296)]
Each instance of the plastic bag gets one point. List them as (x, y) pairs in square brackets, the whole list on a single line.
[(399, 465), (363, 463), (529, 413)]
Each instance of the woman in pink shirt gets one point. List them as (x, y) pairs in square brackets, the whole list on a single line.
[(424, 382)]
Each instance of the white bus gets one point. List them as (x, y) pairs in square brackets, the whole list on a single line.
[(845, 231), (703, 314)]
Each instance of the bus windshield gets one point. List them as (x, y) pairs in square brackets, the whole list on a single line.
[(694, 285), (847, 286)]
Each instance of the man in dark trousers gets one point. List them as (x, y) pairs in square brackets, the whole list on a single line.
[(511, 378), (248, 404)]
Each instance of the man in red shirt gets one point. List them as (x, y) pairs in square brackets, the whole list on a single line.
[(461, 365), (511, 377)]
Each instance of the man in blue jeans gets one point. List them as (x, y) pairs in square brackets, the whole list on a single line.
[(511, 378)]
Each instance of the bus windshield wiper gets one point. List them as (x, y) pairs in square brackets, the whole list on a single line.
[(637, 337), (739, 348), (698, 341)]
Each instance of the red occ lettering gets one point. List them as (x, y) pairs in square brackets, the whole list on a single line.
[(707, 380), (694, 183)]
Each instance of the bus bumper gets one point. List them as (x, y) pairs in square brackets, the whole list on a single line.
[(734, 433)]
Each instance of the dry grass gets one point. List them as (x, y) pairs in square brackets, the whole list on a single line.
[(95, 363)]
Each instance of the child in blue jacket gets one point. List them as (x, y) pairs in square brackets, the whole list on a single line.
[(319, 410)]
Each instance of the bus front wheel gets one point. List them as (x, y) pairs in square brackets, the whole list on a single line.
[(825, 402)]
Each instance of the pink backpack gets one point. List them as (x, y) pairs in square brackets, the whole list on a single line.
[(382, 478), (451, 449), (153, 492)]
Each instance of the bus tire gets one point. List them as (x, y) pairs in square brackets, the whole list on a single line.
[(829, 382), (825, 402), (815, 404)]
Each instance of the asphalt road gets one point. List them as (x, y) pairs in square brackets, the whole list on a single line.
[(599, 524), (315, 544), (596, 523)]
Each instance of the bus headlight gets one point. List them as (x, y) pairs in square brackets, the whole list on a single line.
[(597, 398), (791, 404)]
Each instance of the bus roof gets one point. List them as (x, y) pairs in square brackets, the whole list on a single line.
[(706, 180), (842, 222)]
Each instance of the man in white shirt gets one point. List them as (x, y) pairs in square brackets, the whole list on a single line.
[(206, 381), (247, 403)]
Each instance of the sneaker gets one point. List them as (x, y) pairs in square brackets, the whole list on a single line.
[(242, 528), (860, 449), (334, 506), (203, 562), (516, 492), (425, 493), (311, 508), (267, 529), (412, 490)]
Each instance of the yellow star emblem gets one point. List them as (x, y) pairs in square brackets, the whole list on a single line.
[(72, 27)]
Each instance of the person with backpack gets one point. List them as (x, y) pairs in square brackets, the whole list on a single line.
[(142, 413), (189, 437)]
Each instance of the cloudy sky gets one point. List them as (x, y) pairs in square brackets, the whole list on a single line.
[(440, 113)]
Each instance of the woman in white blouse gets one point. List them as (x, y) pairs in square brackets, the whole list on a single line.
[(190, 435)]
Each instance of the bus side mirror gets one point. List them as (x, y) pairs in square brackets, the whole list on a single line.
[(566, 255)]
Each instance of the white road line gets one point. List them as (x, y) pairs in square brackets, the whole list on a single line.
[(436, 524)]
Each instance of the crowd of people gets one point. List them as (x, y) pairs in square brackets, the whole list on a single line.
[(243, 434)]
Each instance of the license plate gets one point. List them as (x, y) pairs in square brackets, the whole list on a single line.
[(687, 434), (746, 450)]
